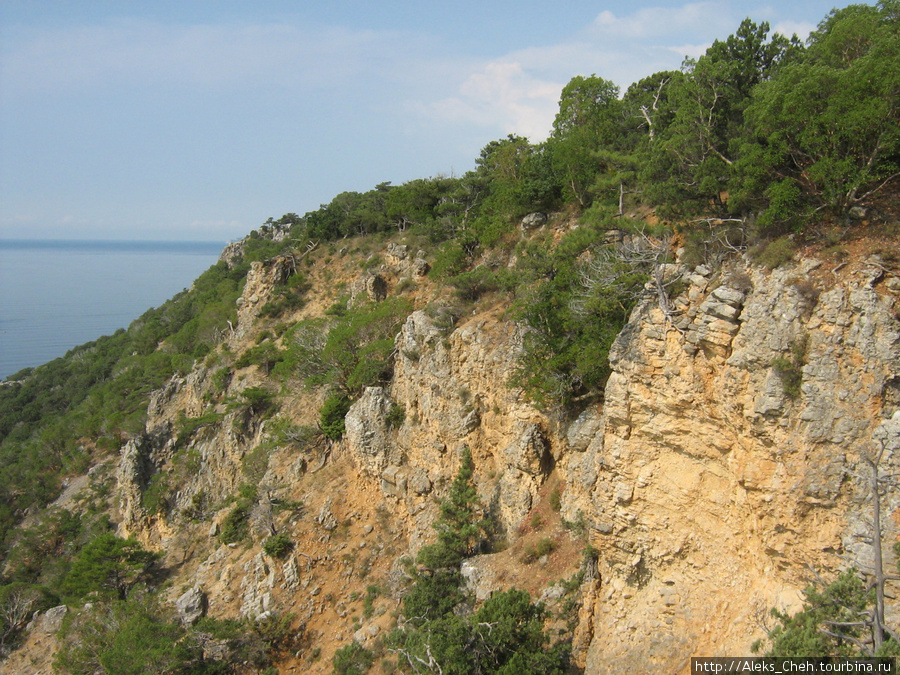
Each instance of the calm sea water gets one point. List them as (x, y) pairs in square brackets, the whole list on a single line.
[(55, 295)]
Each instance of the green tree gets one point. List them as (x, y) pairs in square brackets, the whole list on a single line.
[(691, 159), (107, 565), (358, 351), (589, 121), (460, 526), (512, 178), (566, 356), (648, 107), (125, 638), (832, 622), (506, 635), (422, 203), (825, 133)]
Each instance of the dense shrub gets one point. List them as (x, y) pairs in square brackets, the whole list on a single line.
[(107, 566), (566, 356), (354, 659), (125, 638), (235, 525), (331, 415), (396, 415), (278, 545), (774, 254)]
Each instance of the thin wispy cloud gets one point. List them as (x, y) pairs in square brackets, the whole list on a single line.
[(206, 56), (660, 22)]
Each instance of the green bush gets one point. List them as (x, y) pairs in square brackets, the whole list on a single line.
[(255, 463), (545, 546), (556, 500), (566, 357), (108, 566), (188, 426), (260, 400), (471, 285), (775, 253), (266, 356), (42, 551), (235, 526), (516, 642), (331, 415), (289, 297), (451, 259), (354, 659), (358, 351), (790, 369), (396, 415), (372, 593), (155, 497), (278, 545), (125, 638), (840, 608)]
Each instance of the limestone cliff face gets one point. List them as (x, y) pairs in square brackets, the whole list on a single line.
[(710, 486), (726, 459), (452, 389)]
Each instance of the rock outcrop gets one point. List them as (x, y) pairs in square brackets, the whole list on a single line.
[(709, 488)]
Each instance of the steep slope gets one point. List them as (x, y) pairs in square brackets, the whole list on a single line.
[(725, 464), (712, 488), (707, 486)]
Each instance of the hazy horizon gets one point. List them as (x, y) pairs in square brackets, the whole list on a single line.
[(57, 296)]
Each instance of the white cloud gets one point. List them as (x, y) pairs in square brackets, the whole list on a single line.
[(661, 22), (503, 95), (519, 92), (691, 51), (801, 29)]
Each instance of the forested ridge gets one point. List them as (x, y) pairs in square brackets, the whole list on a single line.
[(761, 144)]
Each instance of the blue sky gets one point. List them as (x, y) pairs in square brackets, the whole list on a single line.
[(199, 120)]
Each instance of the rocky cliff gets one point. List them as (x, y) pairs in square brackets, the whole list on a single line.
[(714, 489), (726, 464)]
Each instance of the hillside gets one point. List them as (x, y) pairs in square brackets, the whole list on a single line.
[(645, 372)]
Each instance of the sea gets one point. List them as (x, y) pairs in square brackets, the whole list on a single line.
[(56, 295)]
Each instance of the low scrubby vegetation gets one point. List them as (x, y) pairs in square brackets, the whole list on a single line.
[(505, 634)]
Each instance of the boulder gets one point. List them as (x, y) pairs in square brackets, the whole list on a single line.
[(368, 287), (534, 220), (53, 619), (191, 606), (528, 451), (367, 431), (326, 516)]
